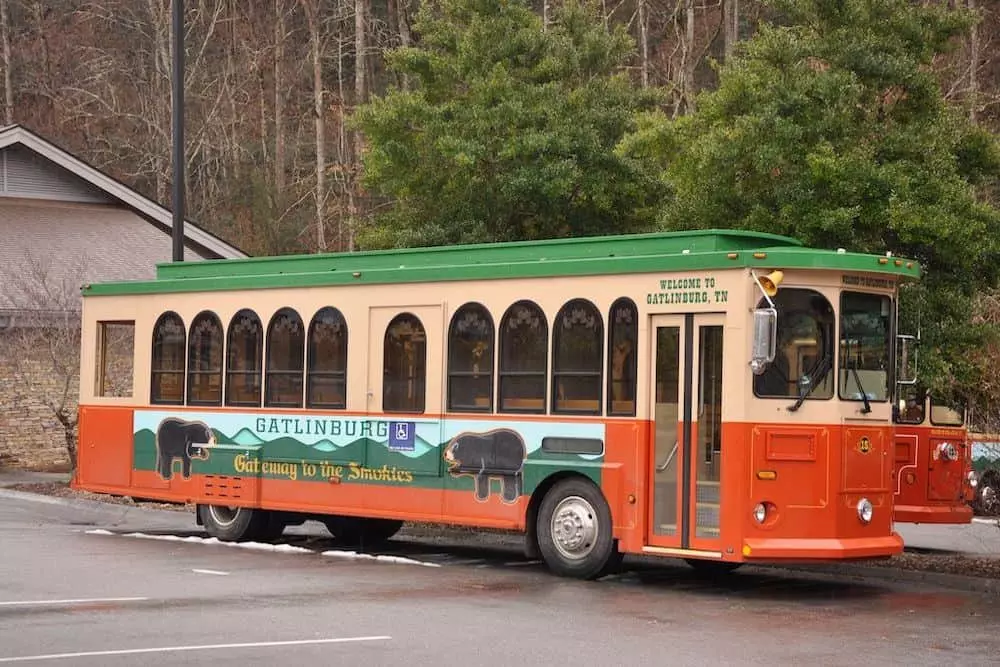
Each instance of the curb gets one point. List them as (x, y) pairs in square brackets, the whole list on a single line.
[(972, 584)]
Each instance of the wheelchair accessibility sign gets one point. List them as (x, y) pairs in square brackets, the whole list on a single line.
[(402, 436)]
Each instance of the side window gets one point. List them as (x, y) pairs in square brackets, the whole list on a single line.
[(167, 372), (286, 344), (911, 404), (244, 351), (470, 360), (326, 382), (804, 349), (404, 367), (623, 342), (205, 360), (947, 413), (115, 353), (577, 359), (524, 343)]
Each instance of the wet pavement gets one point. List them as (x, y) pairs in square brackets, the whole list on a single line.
[(110, 599)]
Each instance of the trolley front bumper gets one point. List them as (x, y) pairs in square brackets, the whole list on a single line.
[(828, 549)]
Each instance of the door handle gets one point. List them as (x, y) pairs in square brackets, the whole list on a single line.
[(670, 457)]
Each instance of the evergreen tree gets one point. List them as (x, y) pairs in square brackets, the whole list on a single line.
[(830, 126), (507, 129)]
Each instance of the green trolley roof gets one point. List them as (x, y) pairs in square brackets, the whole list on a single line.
[(594, 255)]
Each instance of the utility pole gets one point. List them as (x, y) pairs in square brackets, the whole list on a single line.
[(178, 129)]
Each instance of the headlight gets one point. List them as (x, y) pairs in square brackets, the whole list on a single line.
[(760, 512), (865, 510), (973, 478), (947, 452)]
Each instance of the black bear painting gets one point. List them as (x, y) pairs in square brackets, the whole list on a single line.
[(497, 454), (184, 440)]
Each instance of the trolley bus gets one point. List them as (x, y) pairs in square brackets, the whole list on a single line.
[(932, 466), (723, 397)]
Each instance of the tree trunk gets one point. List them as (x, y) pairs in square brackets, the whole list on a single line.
[(731, 17), (973, 67), (689, 60), (8, 86), (315, 42), (644, 42), (360, 96), (279, 96)]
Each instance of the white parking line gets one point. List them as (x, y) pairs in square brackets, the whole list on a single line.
[(206, 647), (219, 572), (981, 519), (17, 603)]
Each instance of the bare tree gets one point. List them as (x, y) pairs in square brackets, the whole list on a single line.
[(42, 343), (8, 85)]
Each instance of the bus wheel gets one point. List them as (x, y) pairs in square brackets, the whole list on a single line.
[(235, 524), (713, 568), (357, 531), (987, 498), (574, 530)]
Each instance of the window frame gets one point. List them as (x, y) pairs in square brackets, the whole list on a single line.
[(633, 366), (502, 374), (471, 306), (400, 317), (220, 372), (155, 371), (258, 359), (557, 337), (270, 372), (340, 377)]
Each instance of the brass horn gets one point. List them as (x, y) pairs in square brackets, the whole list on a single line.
[(771, 281)]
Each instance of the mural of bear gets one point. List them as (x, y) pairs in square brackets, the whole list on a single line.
[(184, 440), (496, 454)]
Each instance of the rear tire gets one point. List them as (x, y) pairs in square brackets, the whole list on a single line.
[(239, 524), (574, 530), (357, 531)]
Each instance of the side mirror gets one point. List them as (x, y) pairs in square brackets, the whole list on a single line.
[(765, 334), (906, 360)]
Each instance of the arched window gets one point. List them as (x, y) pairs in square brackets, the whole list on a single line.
[(167, 368), (244, 351), (470, 360), (204, 362), (577, 359), (524, 344), (623, 342), (286, 346), (405, 365), (326, 381)]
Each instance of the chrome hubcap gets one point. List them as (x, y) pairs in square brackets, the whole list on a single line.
[(223, 515), (574, 527)]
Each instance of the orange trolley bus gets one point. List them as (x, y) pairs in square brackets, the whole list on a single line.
[(932, 475), (718, 396)]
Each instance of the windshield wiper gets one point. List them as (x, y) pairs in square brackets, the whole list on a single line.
[(864, 394), (806, 385)]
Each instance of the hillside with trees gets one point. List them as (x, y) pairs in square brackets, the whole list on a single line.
[(321, 125)]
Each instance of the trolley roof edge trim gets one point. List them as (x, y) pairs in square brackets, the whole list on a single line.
[(653, 243), (781, 258)]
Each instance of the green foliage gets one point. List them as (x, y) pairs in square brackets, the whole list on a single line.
[(508, 131), (832, 128)]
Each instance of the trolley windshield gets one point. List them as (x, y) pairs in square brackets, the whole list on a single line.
[(865, 347)]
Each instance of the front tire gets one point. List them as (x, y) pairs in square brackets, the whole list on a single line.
[(239, 524), (574, 530), (987, 502)]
